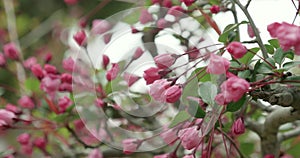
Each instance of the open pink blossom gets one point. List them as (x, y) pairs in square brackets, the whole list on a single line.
[(10, 50), (145, 17), (6, 117), (189, 137), (151, 75), (113, 72), (217, 64), (26, 102), (236, 49), (164, 61), (12, 108), (173, 93), (100, 26), (158, 88), (130, 145)]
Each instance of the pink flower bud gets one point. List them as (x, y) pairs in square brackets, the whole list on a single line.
[(188, 2), (162, 23), (28, 63), (214, 9), (66, 78), (193, 53), (50, 69), (173, 93), (189, 137), (71, 2), (167, 3), (37, 71), (95, 153), (164, 61), (26, 102), (145, 17), (107, 38), (105, 61), (40, 142), (6, 117), (234, 88), (13, 108), (64, 103), (134, 30), (80, 37), (100, 26), (10, 50), (113, 72), (217, 64), (272, 28), (138, 53), (65, 87), (2, 60), (151, 74), (82, 23), (269, 156), (130, 145), (250, 31), (68, 64), (158, 88), (130, 78), (238, 127), (176, 11), (48, 57), (236, 49), (99, 103), (49, 85), (27, 149), (169, 136), (24, 138)]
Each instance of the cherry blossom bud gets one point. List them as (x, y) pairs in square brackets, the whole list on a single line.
[(10, 50), (64, 103), (100, 26), (155, 1), (238, 127), (6, 118), (68, 64), (138, 53), (145, 17), (40, 142), (99, 103), (37, 71), (151, 74), (26, 102), (82, 23), (80, 37), (95, 153), (71, 2), (173, 93), (189, 137), (2, 60), (50, 69), (27, 149), (176, 11), (130, 145), (107, 38), (130, 78), (167, 3), (113, 72), (234, 88), (13, 108), (214, 9), (250, 31), (269, 156), (188, 2), (164, 61), (28, 63), (272, 28), (134, 30), (65, 87), (217, 64), (24, 138), (66, 78), (105, 61), (158, 88), (48, 57), (236, 49), (49, 85)]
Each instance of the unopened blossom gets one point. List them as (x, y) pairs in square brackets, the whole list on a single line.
[(40, 142), (37, 71), (12, 108), (269, 156), (130, 78), (217, 64), (65, 87), (169, 136), (176, 11), (193, 53), (50, 69), (24, 138), (158, 88), (250, 31), (28, 63), (236, 49), (145, 17), (188, 2), (66, 78), (6, 117), (68, 64), (64, 103), (287, 34), (105, 61), (167, 3), (173, 94), (189, 137), (164, 61), (95, 153), (138, 53), (107, 38), (48, 57), (113, 72), (162, 23), (100, 26), (10, 51), (26, 102), (71, 2), (99, 103), (151, 75), (130, 145), (214, 9), (2, 60), (238, 127), (49, 85), (80, 37), (27, 149)]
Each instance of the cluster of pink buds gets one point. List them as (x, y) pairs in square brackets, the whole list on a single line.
[(27, 144)]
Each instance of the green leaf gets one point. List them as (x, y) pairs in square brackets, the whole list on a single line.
[(32, 84), (244, 74), (235, 106), (61, 117), (208, 92), (264, 67), (289, 65), (195, 110), (249, 55), (274, 43), (179, 118), (269, 48), (247, 148), (228, 29), (280, 55), (203, 76)]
